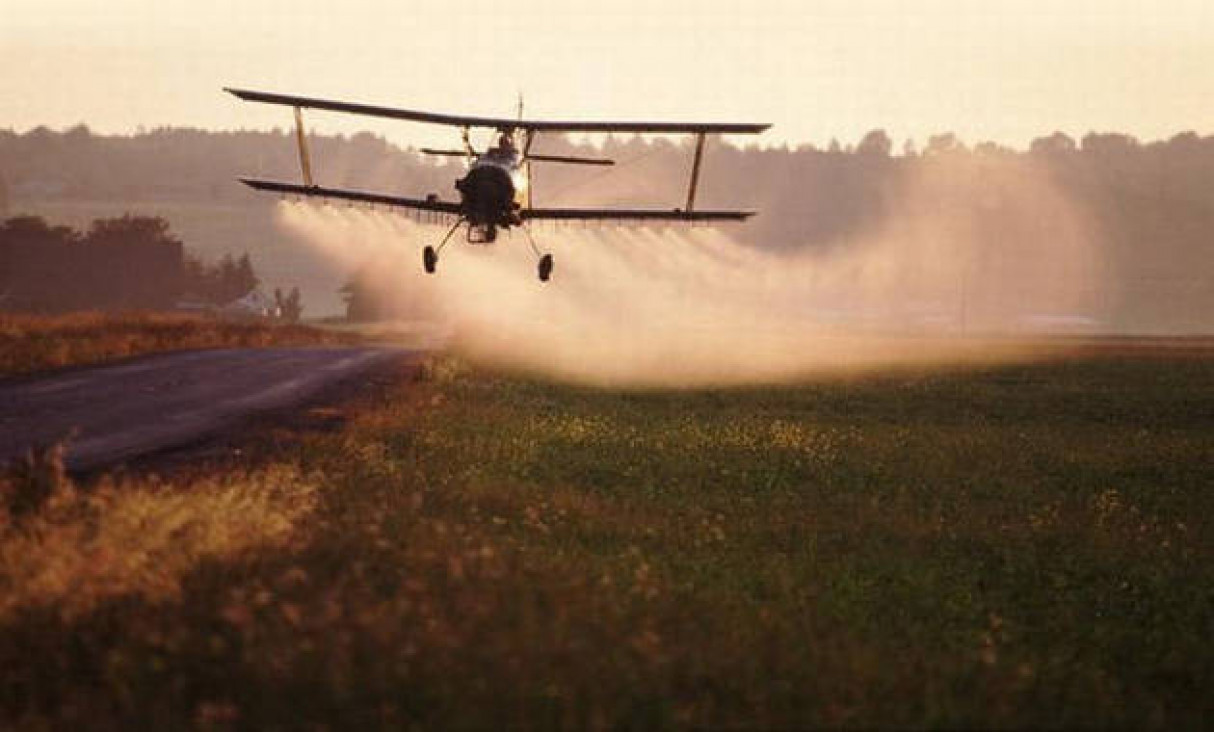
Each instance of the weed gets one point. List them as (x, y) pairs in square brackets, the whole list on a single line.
[(34, 481)]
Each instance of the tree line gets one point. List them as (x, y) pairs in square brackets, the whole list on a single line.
[(1146, 203), (807, 196), (128, 262)]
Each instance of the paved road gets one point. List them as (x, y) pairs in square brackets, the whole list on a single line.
[(139, 406)]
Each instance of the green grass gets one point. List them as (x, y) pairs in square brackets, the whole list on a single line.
[(1019, 546)]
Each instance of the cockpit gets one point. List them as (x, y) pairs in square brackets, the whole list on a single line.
[(504, 153)]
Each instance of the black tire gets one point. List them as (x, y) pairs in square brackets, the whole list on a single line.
[(429, 259), (545, 267)]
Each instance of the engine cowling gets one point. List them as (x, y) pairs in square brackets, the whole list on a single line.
[(487, 194)]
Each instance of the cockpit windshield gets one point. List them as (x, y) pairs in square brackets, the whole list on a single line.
[(504, 153), (499, 155)]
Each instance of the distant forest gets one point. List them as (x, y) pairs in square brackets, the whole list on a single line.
[(131, 262), (1150, 204), (808, 196)]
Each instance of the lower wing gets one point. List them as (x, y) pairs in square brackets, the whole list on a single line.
[(625, 214), (528, 214), (343, 194)]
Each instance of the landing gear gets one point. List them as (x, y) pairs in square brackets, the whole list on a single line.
[(544, 267), (430, 254)]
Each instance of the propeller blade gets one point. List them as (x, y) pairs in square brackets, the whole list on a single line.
[(452, 153)]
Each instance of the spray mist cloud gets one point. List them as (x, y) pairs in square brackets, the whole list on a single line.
[(953, 260)]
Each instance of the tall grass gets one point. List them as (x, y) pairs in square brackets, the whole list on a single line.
[(31, 343), (79, 549)]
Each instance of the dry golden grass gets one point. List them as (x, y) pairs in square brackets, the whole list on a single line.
[(72, 550), (30, 343)]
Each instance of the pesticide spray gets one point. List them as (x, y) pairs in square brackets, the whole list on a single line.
[(946, 277)]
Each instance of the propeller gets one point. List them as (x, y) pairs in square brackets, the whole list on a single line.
[(451, 153)]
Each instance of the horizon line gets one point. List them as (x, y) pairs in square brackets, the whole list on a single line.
[(898, 143)]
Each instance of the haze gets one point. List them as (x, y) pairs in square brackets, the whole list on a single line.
[(682, 306), (1002, 70)]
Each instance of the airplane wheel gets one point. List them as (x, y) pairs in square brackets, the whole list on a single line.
[(429, 259), (545, 267)]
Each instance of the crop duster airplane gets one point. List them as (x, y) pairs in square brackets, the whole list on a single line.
[(495, 193)]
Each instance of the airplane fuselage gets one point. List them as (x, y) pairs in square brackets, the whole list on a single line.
[(493, 191)]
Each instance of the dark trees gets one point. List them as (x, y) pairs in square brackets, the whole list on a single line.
[(290, 307), (123, 263), (875, 143), (219, 283)]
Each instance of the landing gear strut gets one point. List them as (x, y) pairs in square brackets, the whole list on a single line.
[(430, 254)]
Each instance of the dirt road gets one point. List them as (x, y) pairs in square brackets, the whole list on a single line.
[(128, 409)]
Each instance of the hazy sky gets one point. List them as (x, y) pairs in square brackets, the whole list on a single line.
[(1007, 70)]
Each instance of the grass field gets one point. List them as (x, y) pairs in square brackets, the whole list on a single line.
[(1016, 546), (31, 343)]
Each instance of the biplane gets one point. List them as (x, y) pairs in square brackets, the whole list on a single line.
[(495, 192)]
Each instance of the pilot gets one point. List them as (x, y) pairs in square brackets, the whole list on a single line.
[(502, 150)]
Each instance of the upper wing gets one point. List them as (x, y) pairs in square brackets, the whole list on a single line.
[(497, 122), (344, 194), (634, 214)]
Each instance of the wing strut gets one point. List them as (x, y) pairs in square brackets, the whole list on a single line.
[(305, 163), (695, 172), (528, 137)]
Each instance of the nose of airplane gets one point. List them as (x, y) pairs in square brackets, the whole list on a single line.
[(487, 193)]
